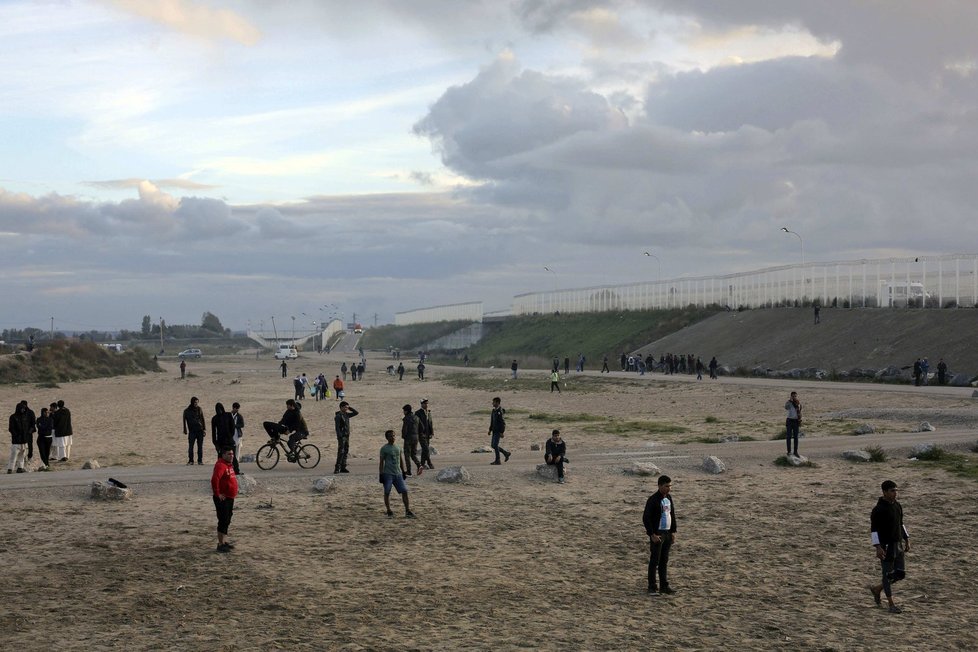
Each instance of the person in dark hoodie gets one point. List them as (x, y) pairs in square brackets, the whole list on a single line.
[(891, 540), (222, 432), (63, 432), (20, 434), (659, 519), (45, 430)]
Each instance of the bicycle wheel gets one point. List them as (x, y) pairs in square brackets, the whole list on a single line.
[(308, 457), (267, 457)]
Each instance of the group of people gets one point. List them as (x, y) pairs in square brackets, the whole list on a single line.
[(54, 432), (227, 430), (921, 371)]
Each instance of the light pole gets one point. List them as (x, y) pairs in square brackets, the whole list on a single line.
[(161, 337), (801, 243), (274, 330), (293, 331), (553, 296), (652, 255)]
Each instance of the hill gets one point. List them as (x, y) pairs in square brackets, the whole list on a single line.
[(64, 360), (784, 338)]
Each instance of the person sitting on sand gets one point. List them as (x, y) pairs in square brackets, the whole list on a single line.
[(556, 454)]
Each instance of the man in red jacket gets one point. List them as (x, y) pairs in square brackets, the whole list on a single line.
[(225, 486)]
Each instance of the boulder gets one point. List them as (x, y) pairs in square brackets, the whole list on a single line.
[(534, 447), (857, 456), (483, 449), (961, 380), (729, 439), (797, 460), (713, 464), (455, 474), (106, 491), (890, 373), (925, 427), (921, 449), (864, 429), (642, 469), (33, 464), (246, 484), (91, 464), (859, 372), (324, 484), (549, 471), (247, 459)]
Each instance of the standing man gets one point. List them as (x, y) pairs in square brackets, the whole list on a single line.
[(343, 370), (604, 365), (497, 426), (193, 427), (891, 540), (239, 424), (409, 435), (566, 366), (19, 428), (338, 388), (713, 368), (580, 362), (400, 371), (818, 308), (285, 369), (792, 423), (426, 430), (660, 524), (392, 474), (941, 372), (222, 432), (341, 423), (556, 454), (45, 428), (63, 431), (917, 369), (183, 368), (225, 487), (514, 367), (420, 377), (554, 381), (556, 364)]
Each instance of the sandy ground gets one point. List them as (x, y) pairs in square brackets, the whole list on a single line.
[(766, 558)]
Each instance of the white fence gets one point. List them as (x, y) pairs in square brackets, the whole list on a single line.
[(471, 311), (926, 281)]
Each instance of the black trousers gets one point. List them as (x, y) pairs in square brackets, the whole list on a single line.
[(659, 560), (342, 451), (198, 438), (559, 464), (425, 452), (44, 448), (225, 509), (411, 452)]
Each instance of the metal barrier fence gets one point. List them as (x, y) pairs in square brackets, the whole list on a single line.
[(471, 311), (944, 281)]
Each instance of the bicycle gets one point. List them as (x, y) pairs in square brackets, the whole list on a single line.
[(307, 456)]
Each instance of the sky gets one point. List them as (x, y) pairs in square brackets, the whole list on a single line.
[(313, 158)]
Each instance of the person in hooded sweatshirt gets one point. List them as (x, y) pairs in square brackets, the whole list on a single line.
[(222, 431)]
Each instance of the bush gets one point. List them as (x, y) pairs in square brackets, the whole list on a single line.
[(876, 453), (935, 454)]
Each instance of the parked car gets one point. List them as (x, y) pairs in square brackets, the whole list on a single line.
[(190, 353)]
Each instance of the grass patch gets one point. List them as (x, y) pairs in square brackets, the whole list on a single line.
[(62, 361), (711, 420), (715, 439), (783, 461), (965, 466), (631, 428), (48, 385), (543, 416), (217, 371), (876, 453)]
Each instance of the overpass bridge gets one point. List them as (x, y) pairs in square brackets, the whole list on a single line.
[(299, 338)]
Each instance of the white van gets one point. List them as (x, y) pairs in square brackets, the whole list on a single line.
[(286, 352)]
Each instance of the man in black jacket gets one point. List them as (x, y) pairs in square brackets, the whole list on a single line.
[(426, 430), (193, 427), (20, 433), (891, 540), (409, 437), (341, 423), (556, 454), (497, 426), (660, 524)]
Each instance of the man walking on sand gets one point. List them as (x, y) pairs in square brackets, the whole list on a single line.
[(64, 433), (891, 540), (497, 426), (554, 381), (225, 487), (660, 524), (193, 427), (426, 430), (183, 368), (392, 475)]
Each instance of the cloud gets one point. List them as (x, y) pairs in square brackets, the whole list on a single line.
[(194, 18), (125, 184)]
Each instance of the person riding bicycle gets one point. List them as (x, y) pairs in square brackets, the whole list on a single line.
[(291, 422)]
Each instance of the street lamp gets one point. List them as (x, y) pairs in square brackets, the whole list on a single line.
[(800, 242), (553, 297), (293, 331), (650, 254)]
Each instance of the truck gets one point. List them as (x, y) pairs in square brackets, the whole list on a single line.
[(357, 328)]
